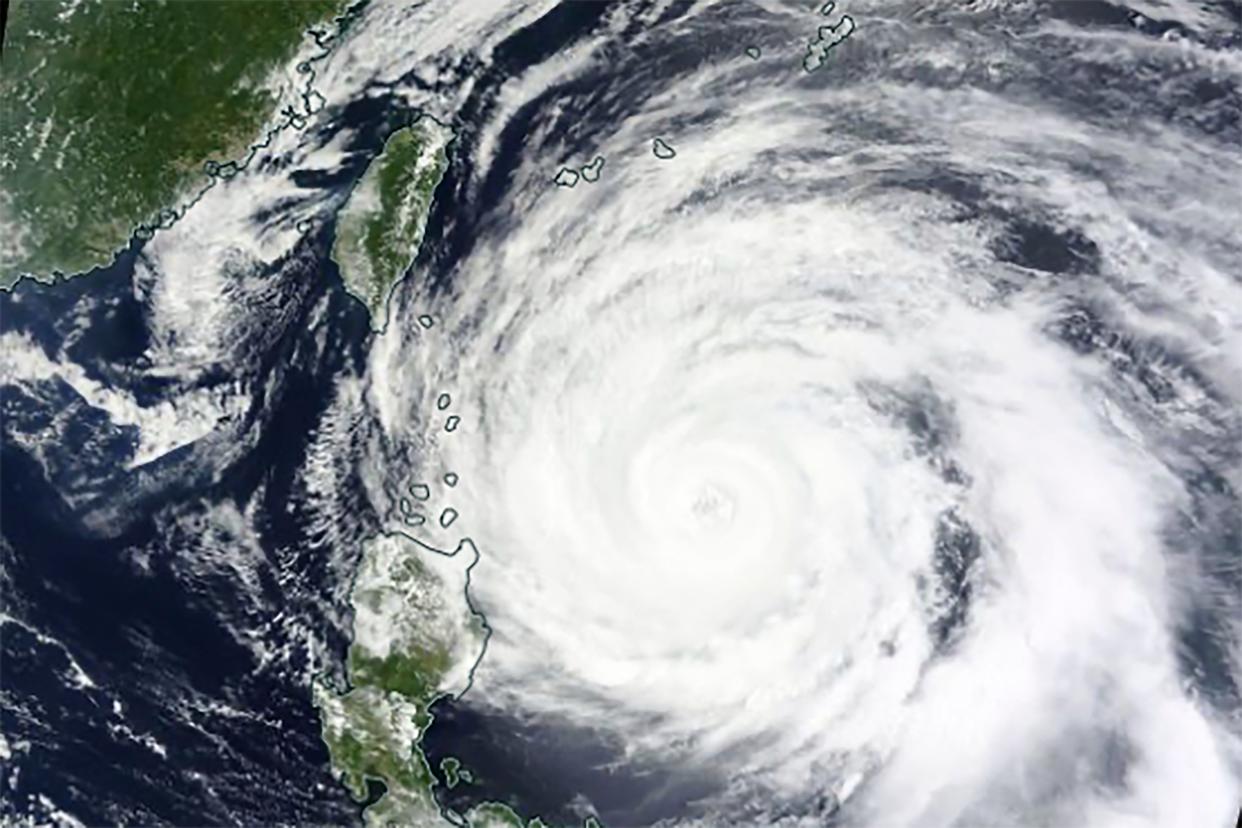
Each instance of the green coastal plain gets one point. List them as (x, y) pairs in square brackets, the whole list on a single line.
[(113, 107)]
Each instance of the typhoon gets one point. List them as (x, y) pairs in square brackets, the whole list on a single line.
[(859, 446), (758, 413)]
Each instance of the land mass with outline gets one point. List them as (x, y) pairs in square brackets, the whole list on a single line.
[(380, 227)]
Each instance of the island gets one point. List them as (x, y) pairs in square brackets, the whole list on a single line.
[(590, 172), (662, 150), (826, 39), (381, 226), (415, 638)]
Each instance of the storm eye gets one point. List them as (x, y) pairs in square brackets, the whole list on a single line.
[(712, 505)]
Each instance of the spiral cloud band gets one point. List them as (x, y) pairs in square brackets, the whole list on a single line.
[(867, 461)]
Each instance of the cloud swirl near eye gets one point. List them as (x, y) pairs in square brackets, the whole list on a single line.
[(856, 456)]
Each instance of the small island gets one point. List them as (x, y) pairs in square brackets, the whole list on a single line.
[(826, 39)]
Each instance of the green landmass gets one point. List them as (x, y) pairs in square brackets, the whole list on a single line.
[(373, 735), (451, 768), (415, 639), (113, 108), (496, 815), (381, 226)]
